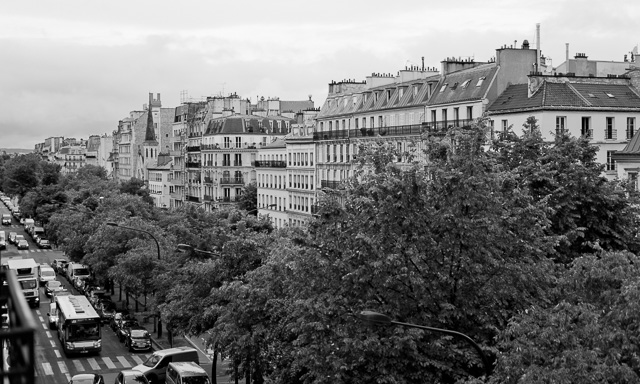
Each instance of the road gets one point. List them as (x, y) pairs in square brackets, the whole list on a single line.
[(52, 366)]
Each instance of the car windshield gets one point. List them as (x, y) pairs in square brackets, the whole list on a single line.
[(139, 333), (195, 380), (28, 284), (19, 237), (152, 361), (54, 284), (47, 273), (81, 272)]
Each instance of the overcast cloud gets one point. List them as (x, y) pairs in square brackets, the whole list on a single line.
[(73, 68)]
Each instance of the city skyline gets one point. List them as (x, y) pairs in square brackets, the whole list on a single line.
[(74, 69)]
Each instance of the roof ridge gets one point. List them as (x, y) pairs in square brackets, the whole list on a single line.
[(575, 91)]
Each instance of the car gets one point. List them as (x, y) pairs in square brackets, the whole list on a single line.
[(80, 284), (44, 243), (137, 338), (53, 286), (45, 274), (12, 237), (23, 244), (130, 376), (6, 219), (87, 378), (95, 290), (96, 296), (124, 325), (18, 238), (52, 315)]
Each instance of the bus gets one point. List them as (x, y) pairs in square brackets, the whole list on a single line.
[(26, 271), (78, 325)]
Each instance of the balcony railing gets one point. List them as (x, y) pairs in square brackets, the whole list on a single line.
[(195, 148), (330, 184), (237, 163), (228, 199), (19, 338), (437, 127), (192, 165), (232, 180), (208, 180), (194, 199), (270, 164), (441, 127)]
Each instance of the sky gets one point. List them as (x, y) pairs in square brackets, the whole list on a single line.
[(74, 68)]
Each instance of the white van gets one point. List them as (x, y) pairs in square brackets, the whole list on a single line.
[(186, 372), (77, 270), (155, 367), (45, 273)]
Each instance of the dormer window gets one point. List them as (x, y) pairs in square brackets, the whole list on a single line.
[(480, 81), (444, 86), (400, 92), (415, 90), (388, 94)]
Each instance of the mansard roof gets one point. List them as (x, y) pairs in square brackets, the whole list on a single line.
[(567, 96), (252, 124), (464, 85)]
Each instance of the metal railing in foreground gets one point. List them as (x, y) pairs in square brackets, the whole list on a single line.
[(17, 355)]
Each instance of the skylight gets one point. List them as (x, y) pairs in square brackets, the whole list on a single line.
[(444, 86), (466, 83), (480, 81), (610, 95)]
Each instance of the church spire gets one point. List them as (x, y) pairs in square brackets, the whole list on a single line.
[(150, 135)]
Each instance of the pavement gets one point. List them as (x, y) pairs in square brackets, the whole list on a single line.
[(165, 340)]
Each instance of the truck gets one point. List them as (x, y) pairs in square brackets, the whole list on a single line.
[(26, 271)]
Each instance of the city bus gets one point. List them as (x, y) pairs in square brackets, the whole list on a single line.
[(78, 325)]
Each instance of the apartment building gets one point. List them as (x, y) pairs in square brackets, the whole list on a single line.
[(271, 177)]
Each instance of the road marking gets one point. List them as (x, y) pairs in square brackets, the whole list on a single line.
[(94, 364), (137, 359), (63, 367), (48, 334), (78, 365), (124, 362), (58, 355), (47, 369), (44, 326), (108, 362)]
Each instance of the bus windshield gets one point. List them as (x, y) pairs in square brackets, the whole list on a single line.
[(28, 284), (87, 331)]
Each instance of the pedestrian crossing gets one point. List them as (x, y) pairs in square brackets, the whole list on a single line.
[(90, 364)]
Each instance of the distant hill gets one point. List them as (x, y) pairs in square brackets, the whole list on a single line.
[(15, 150)]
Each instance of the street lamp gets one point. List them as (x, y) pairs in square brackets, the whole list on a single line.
[(268, 206), (112, 224), (187, 247), (381, 319)]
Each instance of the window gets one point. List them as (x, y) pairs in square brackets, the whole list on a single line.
[(444, 116), (364, 122), (444, 86), (633, 180), (560, 124), (631, 127), (388, 94), (456, 115), (400, 92), (611, 164), (434, 117), (227, 142), (357, 122), (330, 126), (380, 121), (505, 126), (465, 84), (585, 130), (469, 111), (480, 81), (610, 132), (238, 142), (415, 90), (373, 121)]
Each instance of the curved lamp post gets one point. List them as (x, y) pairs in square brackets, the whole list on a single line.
[(112, 224), (379, 318), (187, 247)]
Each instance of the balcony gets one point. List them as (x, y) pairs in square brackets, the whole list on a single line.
[(195, 134), (209, 146), (396, 130), (193, 199), (193, 149), (20, 337), (232, 181), (441, 127), (237, 163), (208, 180), (270, 164), (191, 164), (176, 182), (228, 199), (330, 184)]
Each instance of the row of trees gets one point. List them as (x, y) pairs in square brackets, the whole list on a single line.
[(524, 247)]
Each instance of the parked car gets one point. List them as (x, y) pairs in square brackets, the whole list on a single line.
[(122, 329), (53, 286), (87, 378), (6, 219), (18, 238), (23, 244), (95, 297), (12, 237), (60, 266), (137, 338), (130, 376)]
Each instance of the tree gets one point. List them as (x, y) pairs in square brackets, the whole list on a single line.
[(588, 213), (589, 335), (455, 243), (249, 198)]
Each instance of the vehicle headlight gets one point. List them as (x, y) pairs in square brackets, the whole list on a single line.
[(69, 346), (97, 344)]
